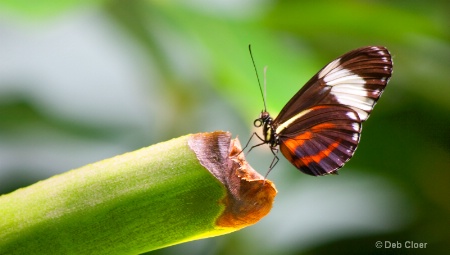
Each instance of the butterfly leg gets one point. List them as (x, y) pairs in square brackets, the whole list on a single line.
[(274, 161), (248, 142)]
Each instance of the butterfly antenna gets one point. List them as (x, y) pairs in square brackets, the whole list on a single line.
[(265, 93), (257, 77)]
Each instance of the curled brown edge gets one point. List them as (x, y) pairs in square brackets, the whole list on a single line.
[(249, 197)]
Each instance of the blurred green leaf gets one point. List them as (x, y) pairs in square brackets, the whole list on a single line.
[(43, 9)]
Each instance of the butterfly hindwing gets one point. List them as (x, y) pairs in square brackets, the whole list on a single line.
[(322, 139)]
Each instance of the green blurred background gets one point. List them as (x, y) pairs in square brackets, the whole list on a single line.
[(81, 81)]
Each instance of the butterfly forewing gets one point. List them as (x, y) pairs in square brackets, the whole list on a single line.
[(356, 79), (319, 128)]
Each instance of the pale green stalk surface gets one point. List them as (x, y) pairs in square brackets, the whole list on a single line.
[(132, 203)]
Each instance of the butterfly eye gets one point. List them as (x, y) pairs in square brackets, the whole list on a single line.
[(257, 123)]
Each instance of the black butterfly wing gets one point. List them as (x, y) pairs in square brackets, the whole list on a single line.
[(356, 79), (319, 128)]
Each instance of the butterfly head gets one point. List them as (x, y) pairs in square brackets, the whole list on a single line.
[(266, 121), (264, 118)]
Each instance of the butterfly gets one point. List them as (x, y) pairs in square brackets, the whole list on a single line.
[(319, 129)]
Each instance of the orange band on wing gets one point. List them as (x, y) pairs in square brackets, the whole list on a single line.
[(320, 155), (293, 143), (289, 147)]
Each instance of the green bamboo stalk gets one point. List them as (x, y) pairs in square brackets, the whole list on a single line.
[(188, 188)]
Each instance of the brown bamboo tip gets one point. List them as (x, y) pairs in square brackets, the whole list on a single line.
[(249, 196)]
